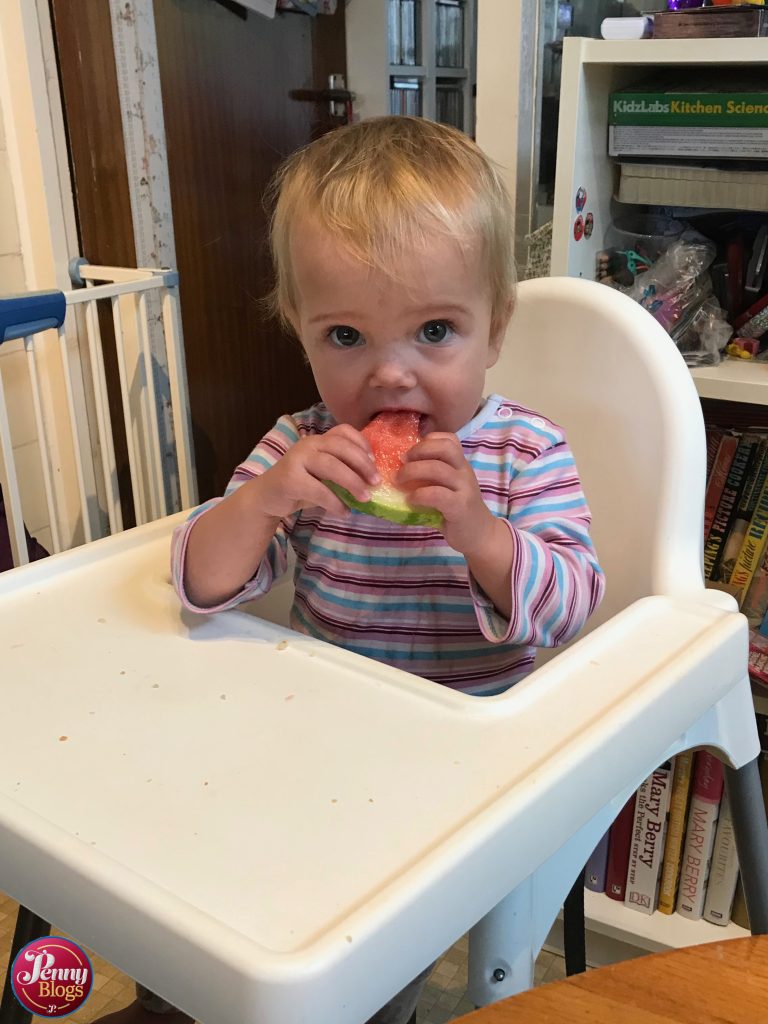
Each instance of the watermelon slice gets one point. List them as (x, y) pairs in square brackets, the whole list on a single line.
[(391, 435)]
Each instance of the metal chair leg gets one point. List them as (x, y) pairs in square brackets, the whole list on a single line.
[(28, 926), (574, 942), (750, 829)]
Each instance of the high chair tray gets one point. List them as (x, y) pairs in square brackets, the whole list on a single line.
[(261, 827)]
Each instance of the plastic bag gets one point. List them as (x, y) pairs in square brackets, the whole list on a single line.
[(702, 340), (633, 244), (677, 291)]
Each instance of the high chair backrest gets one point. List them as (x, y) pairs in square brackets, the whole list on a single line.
[(600, 366)]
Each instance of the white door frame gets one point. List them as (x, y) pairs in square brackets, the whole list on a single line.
[(42, 188)]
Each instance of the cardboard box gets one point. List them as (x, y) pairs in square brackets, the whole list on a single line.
[(721, 118), (688, 185)]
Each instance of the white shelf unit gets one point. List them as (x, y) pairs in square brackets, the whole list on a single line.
[(592, 69)]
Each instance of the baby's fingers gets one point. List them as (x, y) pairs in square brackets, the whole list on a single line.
[(318, 494), (355, 456), (443, 447), (429, 471), (326, 466)]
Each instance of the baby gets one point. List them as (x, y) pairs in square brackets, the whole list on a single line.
[(392, 242)]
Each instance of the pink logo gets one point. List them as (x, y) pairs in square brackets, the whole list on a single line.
[(52, 976)]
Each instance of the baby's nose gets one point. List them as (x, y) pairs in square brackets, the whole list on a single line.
[(392, 373)]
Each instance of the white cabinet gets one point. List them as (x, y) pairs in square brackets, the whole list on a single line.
[(413, 57), (592, 69)]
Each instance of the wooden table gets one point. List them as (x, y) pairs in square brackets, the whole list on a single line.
[(716, 983)]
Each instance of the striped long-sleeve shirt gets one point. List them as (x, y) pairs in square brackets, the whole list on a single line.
[(401, 595)]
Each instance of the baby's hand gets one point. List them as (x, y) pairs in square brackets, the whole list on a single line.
[(342, 455), (436, 474)]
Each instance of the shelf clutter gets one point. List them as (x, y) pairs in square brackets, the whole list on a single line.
[(690, 19), (666, 873), (702, 272), (688, 237), (671, 849)]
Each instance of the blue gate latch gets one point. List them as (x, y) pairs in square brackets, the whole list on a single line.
[(21, 315)]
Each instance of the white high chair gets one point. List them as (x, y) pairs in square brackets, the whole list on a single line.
[(599, 365), (390, 815)]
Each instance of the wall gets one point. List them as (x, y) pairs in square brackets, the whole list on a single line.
[(368, 56), (13, 364), (498, 126)]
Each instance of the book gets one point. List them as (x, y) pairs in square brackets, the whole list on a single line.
[(647, 847), (762, 731), (619, 840), (745, 510), (706, 791), (739, 913), (673, 847), (710, 22), (758, 658), (594, 873), (720, 117), (717, 478), (753, 544), (724, 870), (755, 600), (728, 505), (714, 437)]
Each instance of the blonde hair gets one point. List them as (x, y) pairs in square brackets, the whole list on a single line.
[(386, 185)]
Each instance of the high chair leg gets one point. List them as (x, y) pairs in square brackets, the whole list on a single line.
[(574, 940), (501, 954), (751, 833), (28, 926)]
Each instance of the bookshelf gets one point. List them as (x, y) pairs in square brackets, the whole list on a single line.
[(616, 933), (734, 380), (413, 57), (592, 69)]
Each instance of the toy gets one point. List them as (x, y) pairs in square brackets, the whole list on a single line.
[(742, 348), (391, 435)]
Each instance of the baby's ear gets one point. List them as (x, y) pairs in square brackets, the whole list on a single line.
[(499, 325)]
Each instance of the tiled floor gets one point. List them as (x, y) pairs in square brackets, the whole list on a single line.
[(443, 999), (444, 996), (111, 989)]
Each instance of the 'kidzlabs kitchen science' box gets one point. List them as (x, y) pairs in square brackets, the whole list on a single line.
[(721, 118)]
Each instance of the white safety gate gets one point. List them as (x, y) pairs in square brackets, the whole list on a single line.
[(153, 405)]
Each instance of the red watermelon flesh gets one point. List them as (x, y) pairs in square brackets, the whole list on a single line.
[(391, 435)]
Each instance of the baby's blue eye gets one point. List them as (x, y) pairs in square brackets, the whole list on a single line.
[(344, 336), (435, 331)]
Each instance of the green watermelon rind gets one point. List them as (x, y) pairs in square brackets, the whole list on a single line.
[(406, 515)]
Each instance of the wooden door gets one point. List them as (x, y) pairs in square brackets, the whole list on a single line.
[(229, 121)]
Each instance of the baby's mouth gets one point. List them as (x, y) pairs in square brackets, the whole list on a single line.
[(422, 418)]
